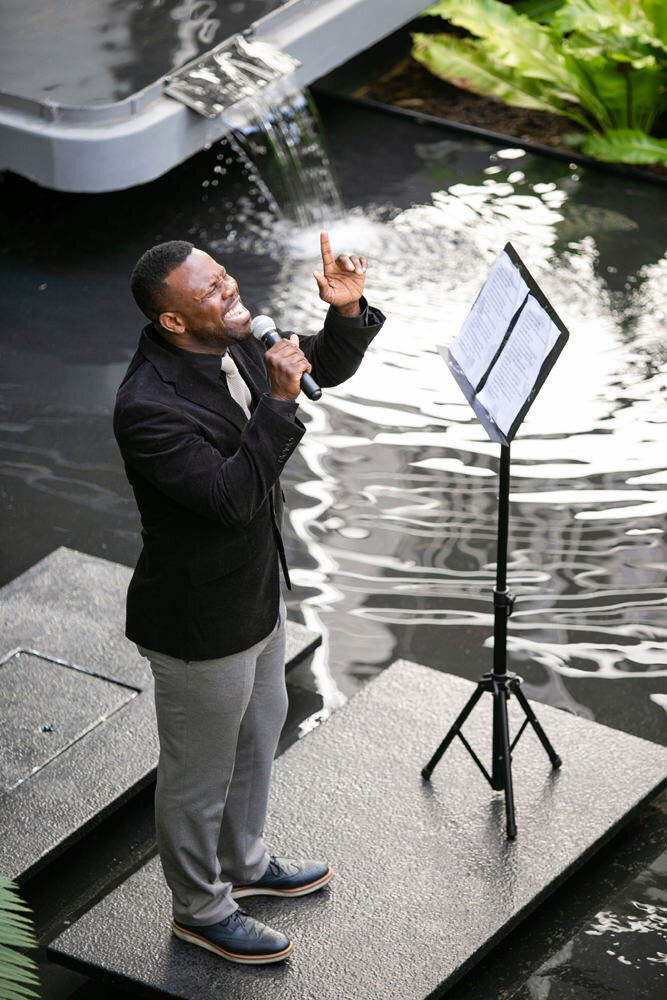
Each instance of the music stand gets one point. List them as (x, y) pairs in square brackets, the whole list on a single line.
[(501, 357)]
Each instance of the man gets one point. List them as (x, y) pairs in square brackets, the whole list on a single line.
[(203, 452)]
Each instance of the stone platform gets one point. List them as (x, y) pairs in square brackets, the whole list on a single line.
[(76, 705), (426, 881)]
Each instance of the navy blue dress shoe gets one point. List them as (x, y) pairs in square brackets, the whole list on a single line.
[(238, 938), (284, 877)]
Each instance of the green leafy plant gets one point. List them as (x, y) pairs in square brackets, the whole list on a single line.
[(601, 63), (17, 971)]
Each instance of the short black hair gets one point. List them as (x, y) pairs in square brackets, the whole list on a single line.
[(150, 271)]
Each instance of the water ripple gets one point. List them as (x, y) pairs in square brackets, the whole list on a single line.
[(403, 530)]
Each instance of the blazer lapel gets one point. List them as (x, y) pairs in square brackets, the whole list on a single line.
[(194, 376)]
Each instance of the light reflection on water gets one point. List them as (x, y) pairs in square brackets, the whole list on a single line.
[(392, 493), (619, 951), (397, 501)]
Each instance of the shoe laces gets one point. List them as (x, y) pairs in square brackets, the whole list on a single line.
[(241, 917), (286, 867)]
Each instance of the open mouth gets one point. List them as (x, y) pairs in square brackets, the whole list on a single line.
[(236, 311)]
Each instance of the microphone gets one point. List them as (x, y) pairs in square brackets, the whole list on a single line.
[(263, 328)]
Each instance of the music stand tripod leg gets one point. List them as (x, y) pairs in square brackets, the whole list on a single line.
[(502, 755), (461, 718), (503, 604), (533, 720), (499, 683)]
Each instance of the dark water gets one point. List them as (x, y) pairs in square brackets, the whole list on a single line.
[(393, 491), (605, 952), (392, 496)]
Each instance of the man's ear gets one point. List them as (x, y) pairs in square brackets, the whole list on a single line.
[(172, 322)]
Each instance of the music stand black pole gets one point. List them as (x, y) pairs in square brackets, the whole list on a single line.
[(499, 682)]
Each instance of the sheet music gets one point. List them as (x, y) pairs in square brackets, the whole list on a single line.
[(515, 372), (479, 338)]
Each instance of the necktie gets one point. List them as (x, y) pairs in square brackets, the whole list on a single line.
[(238, 390)]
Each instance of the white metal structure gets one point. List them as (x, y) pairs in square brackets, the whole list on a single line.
[(107, 147)]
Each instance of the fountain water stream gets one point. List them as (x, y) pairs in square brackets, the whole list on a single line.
[(272, 126)]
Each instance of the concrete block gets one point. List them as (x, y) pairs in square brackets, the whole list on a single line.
[(78, 789), (46, 707), (65, 663), (71, 607), (426, 881)]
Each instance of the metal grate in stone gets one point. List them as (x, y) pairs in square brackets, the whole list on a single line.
[(45, 707)]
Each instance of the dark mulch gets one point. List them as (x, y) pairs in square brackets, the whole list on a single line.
[(409, 85)]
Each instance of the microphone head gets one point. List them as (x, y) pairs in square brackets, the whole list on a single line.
[(261, 325)]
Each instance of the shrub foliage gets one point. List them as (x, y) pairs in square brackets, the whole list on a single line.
[(17, 974), (601, 63)]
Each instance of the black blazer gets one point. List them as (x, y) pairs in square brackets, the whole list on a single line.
[(206, 481)]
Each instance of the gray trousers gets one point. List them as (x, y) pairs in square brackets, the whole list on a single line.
[(218, 724)]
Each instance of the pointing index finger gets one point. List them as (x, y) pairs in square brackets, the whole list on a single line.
[(327, 256)]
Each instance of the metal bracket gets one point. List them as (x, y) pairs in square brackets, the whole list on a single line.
[(504, 599), (234, 70)]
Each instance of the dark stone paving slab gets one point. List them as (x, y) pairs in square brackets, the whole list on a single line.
[(47, 706), (78, 789), (71, 607), (426, 882), (76, 705)]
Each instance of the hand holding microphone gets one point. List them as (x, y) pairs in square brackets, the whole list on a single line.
[(286, 363)]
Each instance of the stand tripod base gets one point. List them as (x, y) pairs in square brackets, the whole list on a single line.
[(501, 687)]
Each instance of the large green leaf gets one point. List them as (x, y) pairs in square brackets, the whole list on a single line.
[(600, 62), (622, 146), (656, 12), (466, 64), (621, 22), (541, 11), (520, 42), (608, 46), (623, 97), (527, 48)]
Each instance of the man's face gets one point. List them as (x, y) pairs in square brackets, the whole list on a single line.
[(205, 308)]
